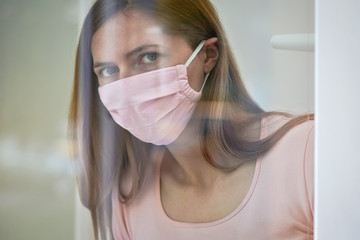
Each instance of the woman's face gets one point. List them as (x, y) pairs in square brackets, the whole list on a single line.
[(134, 43)]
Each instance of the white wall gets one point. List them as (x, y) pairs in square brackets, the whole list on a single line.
[(338, 116)]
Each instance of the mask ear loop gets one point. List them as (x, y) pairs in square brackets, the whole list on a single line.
[(191, 58), (206, 77), (195, 53)]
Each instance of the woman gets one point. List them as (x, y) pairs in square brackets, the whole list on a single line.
[(172, 145)]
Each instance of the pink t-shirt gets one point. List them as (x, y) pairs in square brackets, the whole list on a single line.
[(278, 205)]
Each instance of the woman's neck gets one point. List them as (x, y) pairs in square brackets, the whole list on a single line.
[(184, 159), (185, 162)]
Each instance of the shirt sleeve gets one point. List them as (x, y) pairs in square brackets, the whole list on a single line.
[(309, 168)]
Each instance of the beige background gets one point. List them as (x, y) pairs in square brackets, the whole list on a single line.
[(37, 42)]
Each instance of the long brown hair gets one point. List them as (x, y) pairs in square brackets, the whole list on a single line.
[(108, 152)]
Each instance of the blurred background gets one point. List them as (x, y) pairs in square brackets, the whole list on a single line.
[(38, 199), (37, 45)]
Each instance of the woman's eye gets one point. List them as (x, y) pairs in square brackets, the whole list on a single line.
[(149, 57), (108, 71)]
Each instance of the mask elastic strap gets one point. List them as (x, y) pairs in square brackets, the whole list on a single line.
[(193, 55), (206, 77), (191, 58)]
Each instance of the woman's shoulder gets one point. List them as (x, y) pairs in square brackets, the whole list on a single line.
[(299, 125), (287, 173), (296, 141), (295, 149)]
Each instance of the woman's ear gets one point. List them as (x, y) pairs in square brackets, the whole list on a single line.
[(212, 54)]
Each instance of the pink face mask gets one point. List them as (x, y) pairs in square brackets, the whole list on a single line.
[(153, 106)]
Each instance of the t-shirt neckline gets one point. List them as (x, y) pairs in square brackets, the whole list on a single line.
[(236, 211)]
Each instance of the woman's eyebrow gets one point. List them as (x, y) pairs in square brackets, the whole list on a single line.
[(100, 64), (140, 49)]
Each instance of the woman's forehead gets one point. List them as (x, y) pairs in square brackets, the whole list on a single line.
[(128, 30)]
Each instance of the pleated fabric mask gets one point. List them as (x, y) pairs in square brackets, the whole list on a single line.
[(154, 106)]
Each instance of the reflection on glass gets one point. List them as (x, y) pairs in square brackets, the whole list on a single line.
[(171, 142)]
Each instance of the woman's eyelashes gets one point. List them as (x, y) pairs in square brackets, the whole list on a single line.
[(148, 61), (147, 58), (108, 71)]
